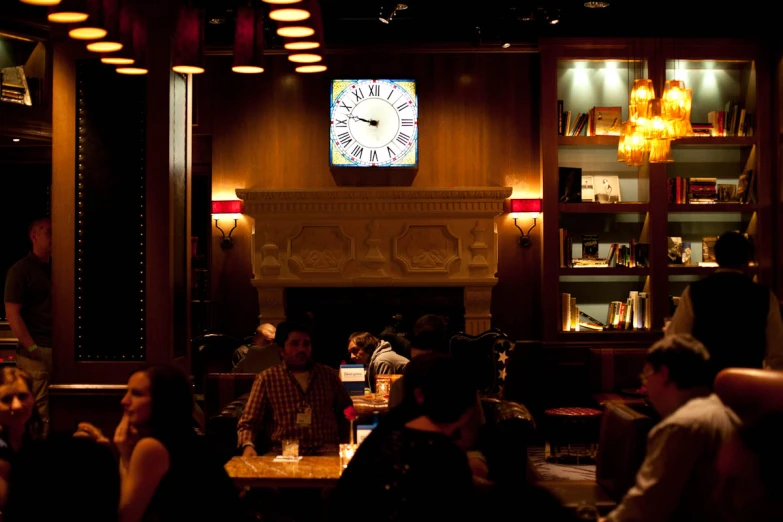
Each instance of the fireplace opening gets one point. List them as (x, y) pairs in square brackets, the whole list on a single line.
[(335, 313)]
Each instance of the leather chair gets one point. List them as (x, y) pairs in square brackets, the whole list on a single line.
[(622, 445), (486, 354), (212, 353), (750, 392)]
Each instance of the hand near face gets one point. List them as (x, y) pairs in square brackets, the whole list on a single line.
[(125, 438), (85, 430)]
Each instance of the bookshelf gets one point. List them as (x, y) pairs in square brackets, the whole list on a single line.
[(599, 72)]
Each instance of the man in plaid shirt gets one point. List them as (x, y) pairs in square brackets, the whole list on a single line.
[(298, 399)]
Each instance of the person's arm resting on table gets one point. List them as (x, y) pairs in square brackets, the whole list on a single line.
[(252, 416), (671, 454)]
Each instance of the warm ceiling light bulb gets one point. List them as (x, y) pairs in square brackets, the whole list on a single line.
[(304, 58), (104, 47), (117, 61), (41, 2), (87, 33), (289, 14), (67, 17), (301, 46), (295, 31), (282, 2), (596, 5), (310, 68), (134, 71), (187, 69), (247, 69)]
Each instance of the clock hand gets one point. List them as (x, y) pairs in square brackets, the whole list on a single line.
[(373, 123)]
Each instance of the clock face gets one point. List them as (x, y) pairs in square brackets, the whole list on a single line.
[(374, 123)]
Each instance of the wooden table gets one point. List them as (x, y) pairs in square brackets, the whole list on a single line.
[(264, 472)]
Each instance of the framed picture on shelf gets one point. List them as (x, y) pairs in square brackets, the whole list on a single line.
[(607, 189), (608, 121), (588, 195)]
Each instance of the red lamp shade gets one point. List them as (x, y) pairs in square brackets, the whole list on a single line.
[(233, 206), (525, 205)]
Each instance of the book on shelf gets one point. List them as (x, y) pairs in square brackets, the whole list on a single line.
[(674, 250), (590, 246), (598, 262), (560, 118), (588, 194), (708, 250), (13, 86), (606, 121)]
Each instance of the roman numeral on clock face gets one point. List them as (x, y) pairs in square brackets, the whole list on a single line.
[(342, 123), (407, 122), (403, 138), (346, 107), (358, 94), (345, 139), (375, 90), (391, 152), (357, 151), (402, 106), (374, 155)]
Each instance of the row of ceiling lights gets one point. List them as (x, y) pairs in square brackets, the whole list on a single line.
[(117, 30)]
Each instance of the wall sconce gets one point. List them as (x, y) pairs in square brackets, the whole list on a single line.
[(528, 206), (230, 208)]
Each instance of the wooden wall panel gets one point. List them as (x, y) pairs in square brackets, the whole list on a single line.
[(478, 125)]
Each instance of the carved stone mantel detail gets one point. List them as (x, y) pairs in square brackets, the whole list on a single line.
[(375, 237), (320, 249), (426, 249), (477, 301), (271, 305)]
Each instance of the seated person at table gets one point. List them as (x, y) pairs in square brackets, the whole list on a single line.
[(414, 471), (377, 356), (164, 464), (296, 399), (261, 354), (678, 476)]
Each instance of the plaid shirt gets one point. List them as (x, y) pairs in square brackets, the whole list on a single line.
[(276, 392)]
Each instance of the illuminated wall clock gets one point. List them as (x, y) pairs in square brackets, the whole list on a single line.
[(374, 123)]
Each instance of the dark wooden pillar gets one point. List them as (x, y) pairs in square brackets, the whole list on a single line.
[(121, 226)]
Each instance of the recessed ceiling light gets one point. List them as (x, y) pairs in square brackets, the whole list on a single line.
[(596, 5), (16, 140)]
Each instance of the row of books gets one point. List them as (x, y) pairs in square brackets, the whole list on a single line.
[(13, 86), (635, 313), (733, 120), (598, 121), (692, 190), (632, 255)]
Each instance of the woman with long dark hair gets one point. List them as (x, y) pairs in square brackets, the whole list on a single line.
[(167, 470)]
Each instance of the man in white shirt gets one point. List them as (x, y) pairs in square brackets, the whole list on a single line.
[(678, 476)]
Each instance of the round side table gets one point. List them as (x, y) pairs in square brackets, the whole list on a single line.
[(567, 426)]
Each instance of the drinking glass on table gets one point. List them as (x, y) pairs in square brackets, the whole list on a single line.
[(290, 447)]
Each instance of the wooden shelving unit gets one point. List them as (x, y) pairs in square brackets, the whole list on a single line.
[(651, 219)]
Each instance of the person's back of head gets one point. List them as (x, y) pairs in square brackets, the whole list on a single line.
[(431, 322), (429, 341), (265, 334), (64, 478), (733, 250), (440, 387), (685, 357), (398, 342)]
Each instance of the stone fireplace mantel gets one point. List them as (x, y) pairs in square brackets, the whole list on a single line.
[(376, 236)]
